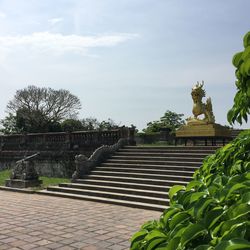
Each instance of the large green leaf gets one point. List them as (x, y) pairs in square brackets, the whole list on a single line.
[(185, 197), (246, 197), (234, 244), (197, 195), (154, 243), (237, 59), (192, 232), (173, 243), (246, 40), (173, 190), (178, 230), (231, 189), (239, 178), (168, 214), (229, 224), (154, 234), (238, 210), (137, 238), (213, 216), (194, 184), (150, 225), (236, 231), (178, 218), (202, 205), (204, 247)]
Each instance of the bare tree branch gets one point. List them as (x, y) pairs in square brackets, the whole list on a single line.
[(52, 105)]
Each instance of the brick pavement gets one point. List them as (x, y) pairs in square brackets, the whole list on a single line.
[(36, 222)]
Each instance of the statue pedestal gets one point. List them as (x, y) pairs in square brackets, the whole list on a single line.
[(24, 174), (206, 132), (17, 183)]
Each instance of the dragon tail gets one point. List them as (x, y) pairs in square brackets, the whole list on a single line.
[(209, 108), (209, 104)]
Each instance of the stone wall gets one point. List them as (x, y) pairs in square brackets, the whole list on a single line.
[(57, 150), (48, 163)]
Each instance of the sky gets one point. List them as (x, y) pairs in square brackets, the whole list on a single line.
[(128, 60)]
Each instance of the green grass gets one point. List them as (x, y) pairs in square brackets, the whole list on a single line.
[(47, 181), (5, 174)]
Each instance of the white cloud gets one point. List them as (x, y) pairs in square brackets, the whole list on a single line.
[(54, 21), (59, 43), (2, 14)]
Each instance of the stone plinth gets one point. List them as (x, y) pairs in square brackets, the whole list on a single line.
[(196, 132), (17, 183), (203, 130), (24, 174)]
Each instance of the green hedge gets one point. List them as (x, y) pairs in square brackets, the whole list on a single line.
[(212, 211)]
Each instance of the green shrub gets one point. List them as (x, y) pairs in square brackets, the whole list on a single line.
[(241, 107), (212, 211)]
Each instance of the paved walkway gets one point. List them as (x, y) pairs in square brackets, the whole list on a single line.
[(36, 222)]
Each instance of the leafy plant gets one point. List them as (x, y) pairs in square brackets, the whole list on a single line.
[(241, 107), (212, 212)]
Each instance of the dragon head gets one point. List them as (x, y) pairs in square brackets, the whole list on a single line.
[(198, 92)]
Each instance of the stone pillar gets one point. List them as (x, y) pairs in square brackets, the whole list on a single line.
[(68, 141), (131, 136)]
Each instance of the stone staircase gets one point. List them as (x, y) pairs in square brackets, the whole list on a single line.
[(137, 176)]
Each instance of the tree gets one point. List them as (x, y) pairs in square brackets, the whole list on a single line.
[(72, 125), (241, 106), (37, 109), (108, 125), (169, 120), (90, 123), (9, 125)]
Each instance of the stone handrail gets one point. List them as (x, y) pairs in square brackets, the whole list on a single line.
[(62, 140), (84, 165)]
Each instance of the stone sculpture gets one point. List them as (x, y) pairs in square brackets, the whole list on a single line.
[(202, 129), (24, 170), (24, 174), (199, 107), (82, 166)]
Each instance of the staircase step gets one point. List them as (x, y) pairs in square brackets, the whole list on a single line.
[(141, 175), (154, 162), (179, 148), (133, 204), (112, 195), (144, 166), (138, 180), (137, 176), (153, 150), (162, 154), (152, 158), (145, 171), (136, 186), (121, 190)]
